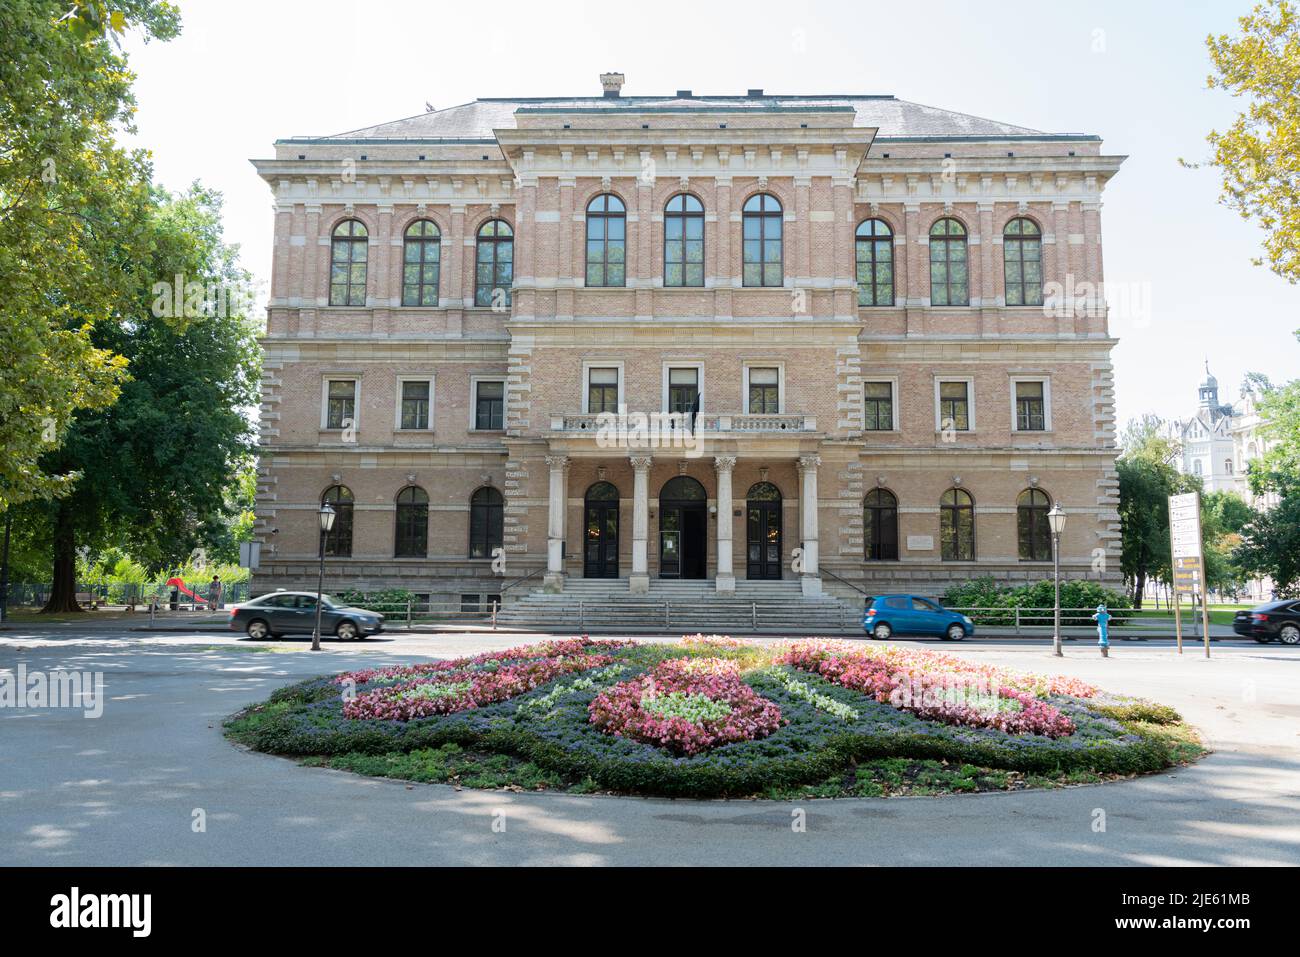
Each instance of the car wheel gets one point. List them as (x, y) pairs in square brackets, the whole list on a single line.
[(1290, 635), (347, 631), (258, 629), (882, 632), (955, 632)]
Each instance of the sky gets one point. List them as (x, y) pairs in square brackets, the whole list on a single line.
[(243, 74)]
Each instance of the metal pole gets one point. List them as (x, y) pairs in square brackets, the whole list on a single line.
[(1056, 595), (320, 587), (408, 614), (495, 603), (4, 569)]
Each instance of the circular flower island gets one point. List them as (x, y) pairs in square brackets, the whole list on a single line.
[(711, 716)]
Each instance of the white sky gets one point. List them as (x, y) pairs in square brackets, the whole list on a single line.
[(243, 74)]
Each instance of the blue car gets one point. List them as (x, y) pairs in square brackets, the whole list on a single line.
[(887, 615)]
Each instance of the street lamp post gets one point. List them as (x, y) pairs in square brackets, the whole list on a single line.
[(327, 517), (1056, 521)]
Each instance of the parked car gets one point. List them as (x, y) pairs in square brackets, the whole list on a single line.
[(886, 615), (294, 613), (1271, 621)]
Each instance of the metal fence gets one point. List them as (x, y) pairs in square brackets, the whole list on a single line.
[(128, 594)]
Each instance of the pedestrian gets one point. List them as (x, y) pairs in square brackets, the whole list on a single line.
[(1102, 618), (214, 593)]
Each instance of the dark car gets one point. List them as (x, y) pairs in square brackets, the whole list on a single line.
[(886, 615), (294, 613), (1271, 621)]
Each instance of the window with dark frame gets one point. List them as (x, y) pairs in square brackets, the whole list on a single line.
[(949, 280), (340, 403), (421, 257), (763, 228), (684, 241), (606, 241), (1031, 408), (602, 390), (1022, 263), (683, 389), (486, 522), (957, 526), (494, 260), (489, 406), (878, 399), (880, 526), (337, 542), (1033, 531), (415, 404), (764, 391), (875, 262), (349, 249), (412, 532), (954, 406)]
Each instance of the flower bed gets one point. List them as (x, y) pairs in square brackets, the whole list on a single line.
[(686, 707)]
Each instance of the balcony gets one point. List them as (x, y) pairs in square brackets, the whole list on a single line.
[(745, 423)]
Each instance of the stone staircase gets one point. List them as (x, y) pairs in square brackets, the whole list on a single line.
[(682, 607)]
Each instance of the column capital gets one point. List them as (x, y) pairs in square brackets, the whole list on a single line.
[(557, 461), (724, 463), (641, 463), (809, 463)]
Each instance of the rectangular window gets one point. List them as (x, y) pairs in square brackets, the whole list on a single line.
[(490, 406), (1031, 408), (954, 406), (879, 401), (341, 403), (683, 390), (602, 390), (765, 391), (416, 399)]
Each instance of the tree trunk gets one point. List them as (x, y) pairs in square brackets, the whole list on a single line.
[(1139, 588), (63, 589)]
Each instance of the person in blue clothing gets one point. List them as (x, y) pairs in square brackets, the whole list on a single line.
[(1102, 618)]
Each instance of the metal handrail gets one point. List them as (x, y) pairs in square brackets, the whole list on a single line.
[(519, 581), (827, 571)]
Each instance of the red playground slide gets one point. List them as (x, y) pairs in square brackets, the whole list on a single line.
[(179, 585)]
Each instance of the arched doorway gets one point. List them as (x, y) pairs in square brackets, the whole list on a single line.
[(600, 532), (683, 529), (763, 532)]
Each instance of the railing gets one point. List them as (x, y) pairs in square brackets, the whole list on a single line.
[(129, 594), (844, 581), (1042, 617), (519, 581), (634, 423)]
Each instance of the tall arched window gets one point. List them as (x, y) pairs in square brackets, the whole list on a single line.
[(875, 243), (422, 253), (348, 255), (880, 526), (684, 241), (486, 522), (1022, 262), (1033, 533), (337, 542), (606, 241), (412, 536), (957, 526), (494, 263), (762, 247), (949, 282)]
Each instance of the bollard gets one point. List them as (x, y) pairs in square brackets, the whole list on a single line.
[(495, 603)]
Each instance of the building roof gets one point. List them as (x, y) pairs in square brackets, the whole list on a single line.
[(894, 118)]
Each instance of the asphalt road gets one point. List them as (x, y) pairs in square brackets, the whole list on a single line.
[(126, 788)]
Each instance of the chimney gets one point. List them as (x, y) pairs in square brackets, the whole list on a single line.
[(612, 83)]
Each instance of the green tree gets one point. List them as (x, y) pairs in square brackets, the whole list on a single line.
[(1223, 516), (74, 208), (156, 466), (1259, 154)]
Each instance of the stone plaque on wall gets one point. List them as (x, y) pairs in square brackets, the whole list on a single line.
[(920, 543)]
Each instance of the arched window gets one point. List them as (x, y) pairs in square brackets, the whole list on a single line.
[(1033, 532), (949, 282), (412, 539), (348, 251), (880, 526), (606, 241), (875, 242), (494, 263), (337, 542), (486, 522), (422, 252), (957, 526), (1022, 262), (684, 241), (762, 235)]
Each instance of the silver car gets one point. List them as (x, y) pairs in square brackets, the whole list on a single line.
[(294, 613)]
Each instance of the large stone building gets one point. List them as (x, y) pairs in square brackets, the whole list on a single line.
[(1220, 440), (745, 337)]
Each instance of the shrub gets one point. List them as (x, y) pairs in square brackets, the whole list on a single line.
[(986, 593)]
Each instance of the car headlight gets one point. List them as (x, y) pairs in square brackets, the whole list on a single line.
[(968, 621)]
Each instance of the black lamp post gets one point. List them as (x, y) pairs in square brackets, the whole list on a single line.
[(1056, 521), (327, 516)]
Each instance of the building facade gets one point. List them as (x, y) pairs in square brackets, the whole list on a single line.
[(825, 338), (1220, 441)]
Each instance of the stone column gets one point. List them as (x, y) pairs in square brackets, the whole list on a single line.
[(556, 522), (639, 582), (812, 584), (726, 578)]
